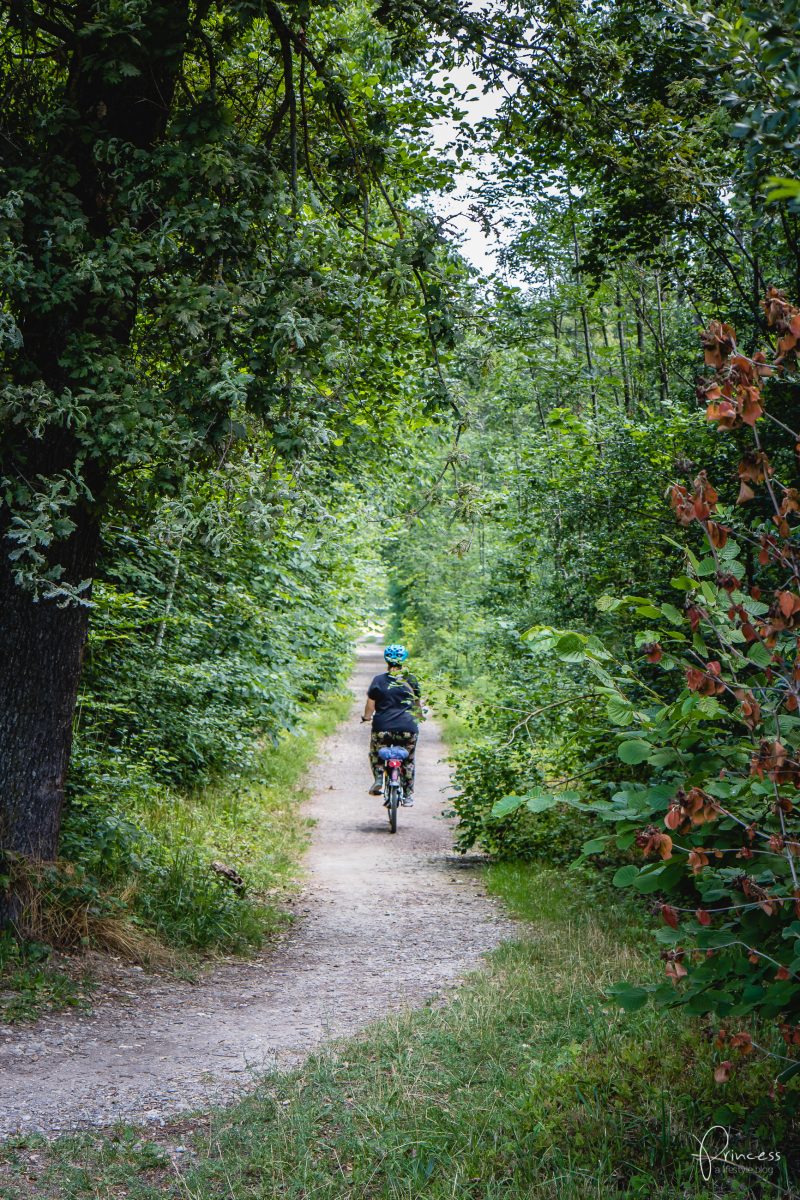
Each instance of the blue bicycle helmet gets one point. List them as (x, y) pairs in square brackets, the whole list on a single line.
[(395, 654)]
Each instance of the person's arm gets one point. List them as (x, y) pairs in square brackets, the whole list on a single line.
[(369, 709)]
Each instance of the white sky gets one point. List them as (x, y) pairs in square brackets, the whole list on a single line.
[(474, 244)]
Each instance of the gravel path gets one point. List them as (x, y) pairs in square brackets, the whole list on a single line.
[(385, 921)]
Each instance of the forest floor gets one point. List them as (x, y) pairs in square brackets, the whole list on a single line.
[(384, 923)]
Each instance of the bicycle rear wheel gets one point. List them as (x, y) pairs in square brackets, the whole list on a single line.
[(392, 801)]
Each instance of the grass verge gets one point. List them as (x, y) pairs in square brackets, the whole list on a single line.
[(525, 1084), (33, 981), (252, 824), (171, 907)]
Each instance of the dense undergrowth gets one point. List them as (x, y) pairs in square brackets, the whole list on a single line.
[(162, 904), (525, 1082)]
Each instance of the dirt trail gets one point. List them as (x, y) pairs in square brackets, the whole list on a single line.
[(385, 921)]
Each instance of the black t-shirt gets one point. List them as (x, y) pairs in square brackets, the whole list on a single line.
[(394, 697)]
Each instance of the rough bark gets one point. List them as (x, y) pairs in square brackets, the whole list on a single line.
[(41, 647)]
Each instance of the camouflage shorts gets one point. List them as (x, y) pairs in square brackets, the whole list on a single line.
[(397, 738)]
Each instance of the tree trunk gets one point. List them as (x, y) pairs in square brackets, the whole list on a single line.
[(663, 368), (173, 583), (640, 306), (607, 346), (41, 649), (623, 353), (587, 339)]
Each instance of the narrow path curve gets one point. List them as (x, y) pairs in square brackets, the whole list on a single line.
[(386, 921)]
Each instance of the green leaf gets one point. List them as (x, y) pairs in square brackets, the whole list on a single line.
[(648, 610), (619, 711), (540, 803), (624, 876), (595, 846), (628, 997), (699, 645), (782, 189), (759, 654), (756, 608), (571, 647), (672, 614), (663, 758), (508, 804), (713, 938), (634, 752), (609, 604), (659, 878), (600, 673), (709, 706)]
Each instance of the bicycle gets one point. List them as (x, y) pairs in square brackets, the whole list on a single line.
[(393, 758)]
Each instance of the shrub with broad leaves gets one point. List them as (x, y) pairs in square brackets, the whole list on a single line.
[(707, 720)]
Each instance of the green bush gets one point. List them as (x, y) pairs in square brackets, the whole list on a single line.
[(486, 772)]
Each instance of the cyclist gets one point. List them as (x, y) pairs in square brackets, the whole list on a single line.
[(393, 704)]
